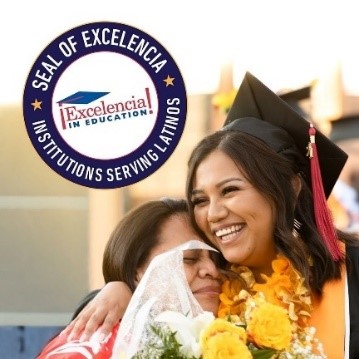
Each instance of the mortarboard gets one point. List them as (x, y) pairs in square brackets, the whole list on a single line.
[(296, 98), (83, 97), (296, 95), (254, 99), (258, 111)]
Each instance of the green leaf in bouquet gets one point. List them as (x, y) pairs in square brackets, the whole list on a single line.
[(166, 348), (263, 353)]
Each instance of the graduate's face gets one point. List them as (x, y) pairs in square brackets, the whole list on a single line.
[(233, 214), (201, 271)]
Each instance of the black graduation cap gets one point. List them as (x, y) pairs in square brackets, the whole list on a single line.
[(260, 112), (296, 95), (296, 98)]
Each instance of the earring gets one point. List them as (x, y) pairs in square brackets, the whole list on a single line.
[(297, 225)]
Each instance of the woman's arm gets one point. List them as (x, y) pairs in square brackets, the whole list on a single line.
[(84, 301), (105, 310)]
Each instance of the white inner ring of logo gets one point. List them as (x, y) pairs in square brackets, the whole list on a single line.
[(121, 111)]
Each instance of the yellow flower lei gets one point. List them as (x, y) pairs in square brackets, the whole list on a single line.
[(256, 320), (284, 288), (274, 313)]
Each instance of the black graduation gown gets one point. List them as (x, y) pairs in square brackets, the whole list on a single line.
[(353, 289)]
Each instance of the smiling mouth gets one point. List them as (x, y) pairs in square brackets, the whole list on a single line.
[(214, 290), (226, 234)]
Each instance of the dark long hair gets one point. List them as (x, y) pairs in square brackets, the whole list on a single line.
[(272, 175), (135, 236)]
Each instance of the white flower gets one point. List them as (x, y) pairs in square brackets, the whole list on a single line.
[(187, 329)]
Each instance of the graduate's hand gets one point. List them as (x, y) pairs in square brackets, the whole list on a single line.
[(104, 311)]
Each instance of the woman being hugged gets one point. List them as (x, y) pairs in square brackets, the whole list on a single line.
[(155, 228), (259, 199)]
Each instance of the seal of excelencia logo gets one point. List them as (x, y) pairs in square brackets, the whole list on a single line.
[(104, 105)]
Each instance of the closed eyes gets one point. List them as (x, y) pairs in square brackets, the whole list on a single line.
[(229, 189)]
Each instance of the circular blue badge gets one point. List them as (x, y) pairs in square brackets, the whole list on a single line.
[(105, 105)]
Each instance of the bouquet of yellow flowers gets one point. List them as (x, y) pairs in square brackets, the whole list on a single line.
[(256, 320)]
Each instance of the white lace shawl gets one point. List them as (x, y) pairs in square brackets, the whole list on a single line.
[(163, 287)]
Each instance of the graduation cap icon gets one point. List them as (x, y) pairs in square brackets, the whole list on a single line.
[(83, 97)]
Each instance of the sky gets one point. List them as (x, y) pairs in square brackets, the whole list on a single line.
[(286, 44)]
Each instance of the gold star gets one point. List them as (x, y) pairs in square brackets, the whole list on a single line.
[(169, 81), (37, 104)]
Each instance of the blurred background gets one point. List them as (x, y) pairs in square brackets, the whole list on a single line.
[(53, 231)]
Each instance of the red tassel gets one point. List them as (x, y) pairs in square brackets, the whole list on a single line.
[(322, 214)]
